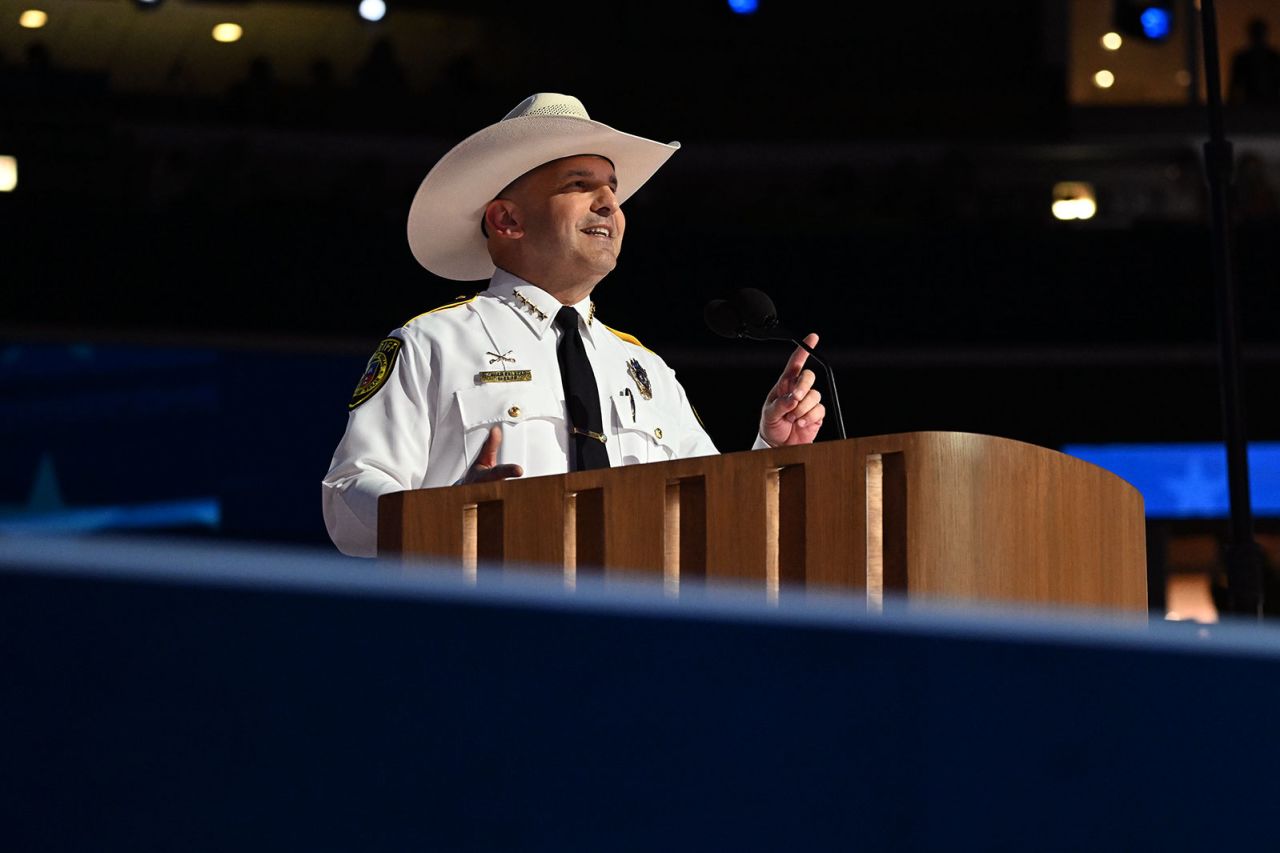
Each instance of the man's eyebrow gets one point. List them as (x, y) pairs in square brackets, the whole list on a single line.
[(588, 173)]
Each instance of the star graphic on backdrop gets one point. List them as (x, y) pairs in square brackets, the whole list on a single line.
[(1196, 491), (46, 512), (45, 495)]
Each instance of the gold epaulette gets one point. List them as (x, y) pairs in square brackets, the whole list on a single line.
[(631, 339), (461, 300)]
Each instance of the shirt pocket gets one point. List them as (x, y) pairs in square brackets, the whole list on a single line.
[(532, 425), (648, 435)]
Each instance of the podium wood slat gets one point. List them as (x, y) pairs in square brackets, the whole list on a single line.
[(736, 511), (956, 516), (634, 512), (534, 522)]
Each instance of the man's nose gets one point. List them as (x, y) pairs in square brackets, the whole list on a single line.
[(605, 201)]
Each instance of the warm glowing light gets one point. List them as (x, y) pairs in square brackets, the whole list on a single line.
[(372, 10), (33, 19), (1073, 200), (1183, 77), (1112, 41), (1074, 208), (227, 33), (1104, 79), (8, 173)]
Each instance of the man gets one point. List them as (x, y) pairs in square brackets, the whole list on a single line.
[(1255, 71), (522, 379)]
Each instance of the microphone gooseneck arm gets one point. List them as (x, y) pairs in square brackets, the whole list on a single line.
[(750, 314), (779, 333), (831, 386)]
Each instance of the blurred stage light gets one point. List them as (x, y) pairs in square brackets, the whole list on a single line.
[(8, 173), (227, 33), (1104, 79), (1074, 208), (373, 10), (744, 7), (1073, 200), (1156, 23), (1145, 20), (33, 19), (147, 4), (1183, 77), (1112, 41)]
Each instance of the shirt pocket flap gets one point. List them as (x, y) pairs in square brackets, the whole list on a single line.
[(506, 402), (656, 423)]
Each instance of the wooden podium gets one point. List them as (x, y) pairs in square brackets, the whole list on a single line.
[(937, 515)]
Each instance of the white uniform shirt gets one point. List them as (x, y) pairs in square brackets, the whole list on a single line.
[(439, 383)]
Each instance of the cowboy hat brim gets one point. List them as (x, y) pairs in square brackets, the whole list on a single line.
[(444, 220)]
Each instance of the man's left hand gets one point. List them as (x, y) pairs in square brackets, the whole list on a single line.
[(792, 412)]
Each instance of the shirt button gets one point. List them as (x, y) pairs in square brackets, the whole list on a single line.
[(514, 412), (657, 432)]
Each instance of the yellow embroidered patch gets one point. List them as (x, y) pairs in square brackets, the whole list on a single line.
[(376, 371)]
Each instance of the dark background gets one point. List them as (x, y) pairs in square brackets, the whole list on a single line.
[(191, 283)]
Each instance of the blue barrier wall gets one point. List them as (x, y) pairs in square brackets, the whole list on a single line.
[(190, 699)]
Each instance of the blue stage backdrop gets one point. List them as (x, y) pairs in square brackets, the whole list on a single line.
[(232, 442), (221, 441), (1188, 480)]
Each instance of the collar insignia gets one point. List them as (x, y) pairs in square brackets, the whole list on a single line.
[(501, 357), (529, 306)]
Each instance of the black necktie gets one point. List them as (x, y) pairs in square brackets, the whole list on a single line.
[(586, 429)]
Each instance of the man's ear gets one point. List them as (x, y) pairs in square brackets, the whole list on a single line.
[(502, 218)]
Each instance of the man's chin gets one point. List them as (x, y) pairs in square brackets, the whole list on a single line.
[(602, 264)]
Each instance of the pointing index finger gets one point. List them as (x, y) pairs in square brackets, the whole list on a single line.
[(796, 363)]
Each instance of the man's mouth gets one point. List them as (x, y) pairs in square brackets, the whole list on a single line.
[(599, 231)]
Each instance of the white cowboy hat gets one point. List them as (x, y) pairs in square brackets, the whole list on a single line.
[(444, 220)]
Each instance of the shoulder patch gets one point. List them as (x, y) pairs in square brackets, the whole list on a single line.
[(461, 300), (631, 339), (376, 371)]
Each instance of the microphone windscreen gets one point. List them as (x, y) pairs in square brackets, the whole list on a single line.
[(756, 308), (723, 318)]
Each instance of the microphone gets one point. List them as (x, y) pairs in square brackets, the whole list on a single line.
[(760, 318), (750, 313), (724, 318)]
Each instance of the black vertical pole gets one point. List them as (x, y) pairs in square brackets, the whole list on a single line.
[(1193, 53), (1244, 568)]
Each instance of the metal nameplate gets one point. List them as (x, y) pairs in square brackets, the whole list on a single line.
[(506, 376)]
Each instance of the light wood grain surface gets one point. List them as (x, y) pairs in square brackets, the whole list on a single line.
[(934, 515)]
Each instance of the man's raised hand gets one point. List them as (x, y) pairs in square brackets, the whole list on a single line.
[(792, 412)]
